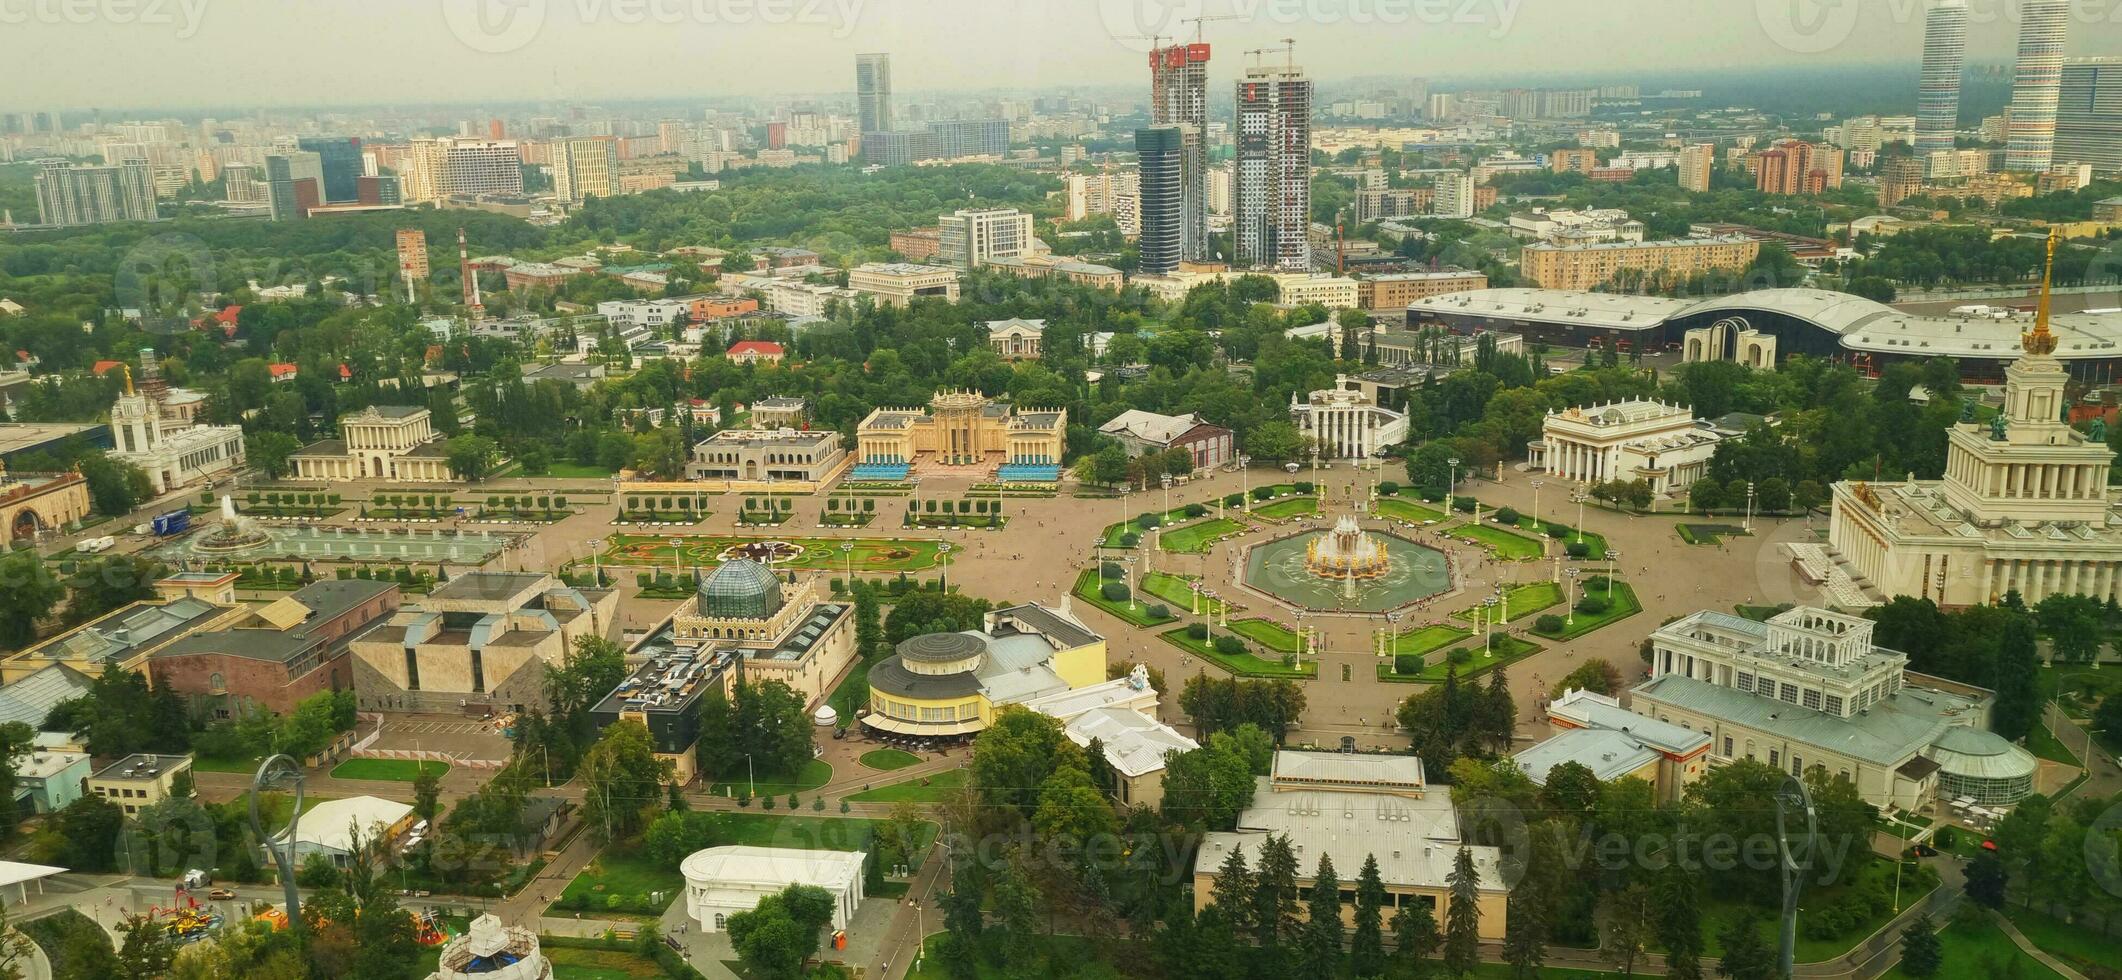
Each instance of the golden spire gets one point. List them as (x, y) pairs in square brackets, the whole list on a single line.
[(128, 369), (2041, 341)]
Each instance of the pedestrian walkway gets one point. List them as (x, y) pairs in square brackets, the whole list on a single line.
[(2026, 946)]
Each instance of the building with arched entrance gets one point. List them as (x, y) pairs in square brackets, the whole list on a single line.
[(31, 504), (380, 442)]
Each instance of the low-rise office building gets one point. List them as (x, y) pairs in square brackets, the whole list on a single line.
[(1120, 717), (1808, 689), (1353, 808), (125, 637), (1589, 266), (483, 639), (1148, 432), (47, 780), (900, 283), (1594, 731), (279, 654), (953, 684), (762, 455), (138, 781), (1393, 291), (723, 881)]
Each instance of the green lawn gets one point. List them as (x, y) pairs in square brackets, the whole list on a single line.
[(1176, 590), (1624, 605), (577, 471), (1396, 509), (1525, 600), (816, 773), (1507, 545), (1196, 538), (1111, 536), (625, 871), (599, 964), (1138, 614), (1267, 633), (1707, 533), (1429, 638), (401, 770), (1594, 543), (1508, 650), (820, 554), (2045, 746), (1242, 664), (931, 789), (2075, 945), (1282, 510), (1976, 948), (853, 692), (886, 760)]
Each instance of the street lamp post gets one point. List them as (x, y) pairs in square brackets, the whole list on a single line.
[(1579, 496), (943, 551), (847, 561), (1749, 506), (1488, 635), (1537, 484), (1451, 486), (1245, 482), (1570, 618), (1611, 568), (1317, 490), (1130, 560)]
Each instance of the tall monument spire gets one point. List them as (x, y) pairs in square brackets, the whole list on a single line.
[(2041, 341)]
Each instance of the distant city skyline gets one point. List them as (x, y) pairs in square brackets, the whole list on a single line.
[(457, 51)]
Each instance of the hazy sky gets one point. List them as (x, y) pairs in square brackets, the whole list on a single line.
[(180, 53)]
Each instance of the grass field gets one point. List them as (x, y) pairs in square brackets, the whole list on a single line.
[(1267, 633), (1196, 538), (1508, 650), (1429, 638), (1506, 545), (401, 770), (2045, 746), (886, 760), (600, 964), (1977, 949), (821, 554), (1396, 509), (1624, 605), (816, 773), (1525, 600), (853, 693), (2075, 945), (1241, 664), (625, 871), (932, 789), (1176, 591), (1282, 510), (1087, 590), (577, 471)]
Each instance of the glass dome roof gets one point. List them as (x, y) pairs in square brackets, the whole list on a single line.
[(740, 589)]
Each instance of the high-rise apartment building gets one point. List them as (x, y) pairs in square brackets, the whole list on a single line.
[(2089, 114), (475, 167), (585, 167), (873, 94), (412, 256), (2037, 85), (1454, 197), (339, 165), (1696, 163), (69, 195), (1944, 58), (1178, 96), (970, 238), (294, 184), (420, 170), (1271, 214), (1796, 167), (970, 138), (1161, 149)]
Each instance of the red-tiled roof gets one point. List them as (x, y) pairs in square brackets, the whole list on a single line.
[(754, 347), (228, 315), (282, 370), (101, 368)]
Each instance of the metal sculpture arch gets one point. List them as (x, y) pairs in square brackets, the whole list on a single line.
[(273, 772), (1795, 860)]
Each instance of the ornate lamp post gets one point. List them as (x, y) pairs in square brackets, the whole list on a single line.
[(1130, 560), (847, 560), (1245, 481), (1451, 486), (1749, 506), (1317, 490), (1537, 484), (1580, 495), (1611, 568), (1571, 617), (943, 551), (1488, 632)]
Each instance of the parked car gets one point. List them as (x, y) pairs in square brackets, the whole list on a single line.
[(222, 895)]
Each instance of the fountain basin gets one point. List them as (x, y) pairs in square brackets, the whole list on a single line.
[(1401, 572)]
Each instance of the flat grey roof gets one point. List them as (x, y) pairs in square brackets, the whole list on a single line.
[(18, 436)]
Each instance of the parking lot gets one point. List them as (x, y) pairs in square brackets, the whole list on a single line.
[(464, 738)]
